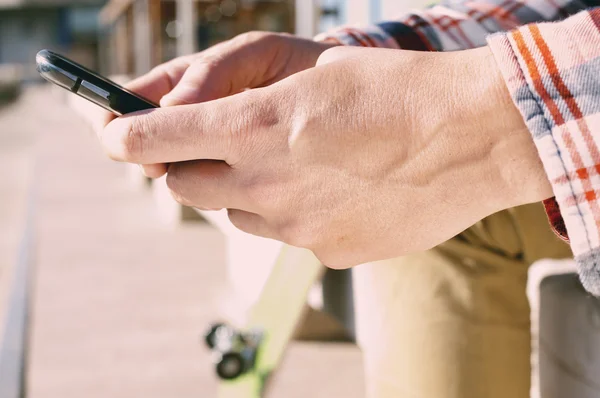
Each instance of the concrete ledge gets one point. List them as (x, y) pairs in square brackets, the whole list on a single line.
[(15, 325), (169, 211), (565, 323)]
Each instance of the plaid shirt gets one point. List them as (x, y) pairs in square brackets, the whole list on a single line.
[(553, 73)]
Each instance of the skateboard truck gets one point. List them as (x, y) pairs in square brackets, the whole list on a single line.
[(234, 350), (246, 356)]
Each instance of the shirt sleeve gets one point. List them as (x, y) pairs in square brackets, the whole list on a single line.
[(553, 73), (455, 24)]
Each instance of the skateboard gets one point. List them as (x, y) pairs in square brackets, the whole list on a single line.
[(246, 357)]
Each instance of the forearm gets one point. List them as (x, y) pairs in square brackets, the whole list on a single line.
[(455, 25)]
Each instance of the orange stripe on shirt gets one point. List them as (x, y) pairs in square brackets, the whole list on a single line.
[(353, 35), (567, 96), (565, 93), (558, 118), (585, 172), (367, 38), (535, 76)]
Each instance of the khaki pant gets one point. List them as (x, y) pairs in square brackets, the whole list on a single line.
[(453, 322)]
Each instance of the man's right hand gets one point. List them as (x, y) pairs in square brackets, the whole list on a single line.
[(250, 60)]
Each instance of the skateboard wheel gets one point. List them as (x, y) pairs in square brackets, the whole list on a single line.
[(230, 366), (210, 336)]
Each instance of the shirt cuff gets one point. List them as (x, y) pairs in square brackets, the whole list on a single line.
[(367, 36), (551, 70)]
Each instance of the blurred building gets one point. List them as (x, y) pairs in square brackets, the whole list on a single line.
[(369, 11), (67, 26), (138, 34)]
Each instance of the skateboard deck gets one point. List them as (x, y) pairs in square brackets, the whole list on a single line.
[(276, 316)]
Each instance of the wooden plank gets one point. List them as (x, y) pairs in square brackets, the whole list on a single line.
[(186, 43), (307, 20), (128, 42), (154, 11), (120, 37), (113, 10), (142, 40)]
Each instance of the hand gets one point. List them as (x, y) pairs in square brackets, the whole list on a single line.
[(371, 155), (250, 60)]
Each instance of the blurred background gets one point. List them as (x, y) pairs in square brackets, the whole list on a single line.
[(130, 36), (107, 286)]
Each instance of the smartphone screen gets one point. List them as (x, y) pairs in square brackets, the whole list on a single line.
[(89, 85)]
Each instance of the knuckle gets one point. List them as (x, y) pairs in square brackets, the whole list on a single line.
[(258, 116), (206, 63), (254, 36), (134, 141), (298, 235), (164, 67), (269, 114), (330, 55), (255, 193), (262, 112), (162, 71), (264, 195), (171, 69)]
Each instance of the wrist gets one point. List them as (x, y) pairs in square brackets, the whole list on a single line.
[(518, 175)]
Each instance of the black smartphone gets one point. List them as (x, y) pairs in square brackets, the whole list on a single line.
[(89, 85)]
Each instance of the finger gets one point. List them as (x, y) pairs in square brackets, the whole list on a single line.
[(207, 184), (152, 86), (101, 119), (218, 130), (155, 170), (251, 223), (161, 79), (247, 61)]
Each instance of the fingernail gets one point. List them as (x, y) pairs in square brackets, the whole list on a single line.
[(166, 101), (181, 95), (142, 170), (172, 100)]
